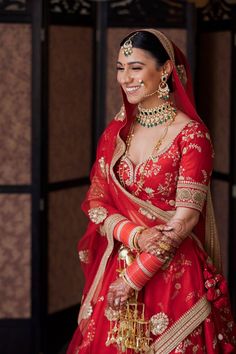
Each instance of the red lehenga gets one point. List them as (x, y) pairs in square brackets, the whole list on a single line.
[(188, 299)]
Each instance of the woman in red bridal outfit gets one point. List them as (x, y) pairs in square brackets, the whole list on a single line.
[(150, 253)]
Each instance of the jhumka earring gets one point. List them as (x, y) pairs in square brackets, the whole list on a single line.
[(127, 47), (163, 89)]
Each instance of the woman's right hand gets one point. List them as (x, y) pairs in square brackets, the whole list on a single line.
[(147, 239)]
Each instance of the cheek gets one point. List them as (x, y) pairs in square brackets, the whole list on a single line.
[(118, 77)]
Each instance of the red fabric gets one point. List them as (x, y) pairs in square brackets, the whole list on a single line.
[(177, 288)]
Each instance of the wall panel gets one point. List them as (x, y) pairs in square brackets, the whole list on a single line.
[(15, 256), (15, 108), (220, 195), (67, 224), (69, 102), (214, 98)]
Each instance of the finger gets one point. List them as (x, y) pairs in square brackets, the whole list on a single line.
[(117, 303)]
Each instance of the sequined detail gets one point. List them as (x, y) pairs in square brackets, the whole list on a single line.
[(159, 323), (102, 165), (97, 215), (87, 311), (84, 256), (111, 315), (146, 213)]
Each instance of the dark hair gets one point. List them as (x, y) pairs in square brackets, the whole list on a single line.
[(148, 41)]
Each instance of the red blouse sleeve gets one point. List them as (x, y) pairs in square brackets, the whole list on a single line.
[(195, 167)]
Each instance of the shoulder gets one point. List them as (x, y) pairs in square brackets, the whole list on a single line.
[(195, 130)]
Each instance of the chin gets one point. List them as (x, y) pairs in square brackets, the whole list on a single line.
[(133, 100)]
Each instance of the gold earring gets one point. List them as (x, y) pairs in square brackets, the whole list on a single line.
[(163, 89)]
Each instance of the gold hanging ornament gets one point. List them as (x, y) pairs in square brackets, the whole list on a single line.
[(129, 329)]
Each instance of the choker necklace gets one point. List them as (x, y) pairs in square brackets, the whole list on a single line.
[(151, 117)]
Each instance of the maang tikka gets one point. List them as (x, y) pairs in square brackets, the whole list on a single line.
[(127, 47), (163, 89)]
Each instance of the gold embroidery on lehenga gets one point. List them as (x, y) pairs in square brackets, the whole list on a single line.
[(181, 348), (187, 323), (159, 323), (97, 215)]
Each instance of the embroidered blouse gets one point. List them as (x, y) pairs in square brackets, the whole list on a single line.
[(179, 174)]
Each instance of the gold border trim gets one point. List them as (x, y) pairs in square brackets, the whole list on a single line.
[(193, 185), (182, 328), (109, 225)]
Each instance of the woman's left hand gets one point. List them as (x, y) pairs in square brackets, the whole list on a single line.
[(118, 293)]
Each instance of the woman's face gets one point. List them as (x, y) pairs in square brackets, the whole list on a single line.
[(134, 69)]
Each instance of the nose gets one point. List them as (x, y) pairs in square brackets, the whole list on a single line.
[(125, 78)]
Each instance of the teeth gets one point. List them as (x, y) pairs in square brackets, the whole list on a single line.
[(132, 89)]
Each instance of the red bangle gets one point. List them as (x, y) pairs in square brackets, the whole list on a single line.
[(142, 269)]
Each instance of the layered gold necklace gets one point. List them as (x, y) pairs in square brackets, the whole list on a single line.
[(151, 117)]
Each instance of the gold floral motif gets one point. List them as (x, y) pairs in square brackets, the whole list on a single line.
[(181, 348), (84, 256), (97, 215), (102, 165), (159, 323), (120, 116)]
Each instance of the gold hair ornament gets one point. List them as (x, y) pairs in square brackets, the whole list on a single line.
[(127, 47)]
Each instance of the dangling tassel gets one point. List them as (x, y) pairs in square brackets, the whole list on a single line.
[(128, 327)]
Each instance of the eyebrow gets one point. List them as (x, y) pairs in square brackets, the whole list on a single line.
[(132, 62)]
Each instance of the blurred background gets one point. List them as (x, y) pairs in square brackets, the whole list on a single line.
[(58, 91)]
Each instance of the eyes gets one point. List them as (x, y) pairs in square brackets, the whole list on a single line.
[(134, 68)]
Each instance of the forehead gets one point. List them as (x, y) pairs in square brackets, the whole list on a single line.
[(139, 55)]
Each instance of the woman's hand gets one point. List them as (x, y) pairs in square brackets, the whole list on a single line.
[(119, 292), (148, 239)]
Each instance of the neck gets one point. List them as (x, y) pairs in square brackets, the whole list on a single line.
[(151, 102)]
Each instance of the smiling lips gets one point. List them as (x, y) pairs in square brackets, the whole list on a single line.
[(132, 89)]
